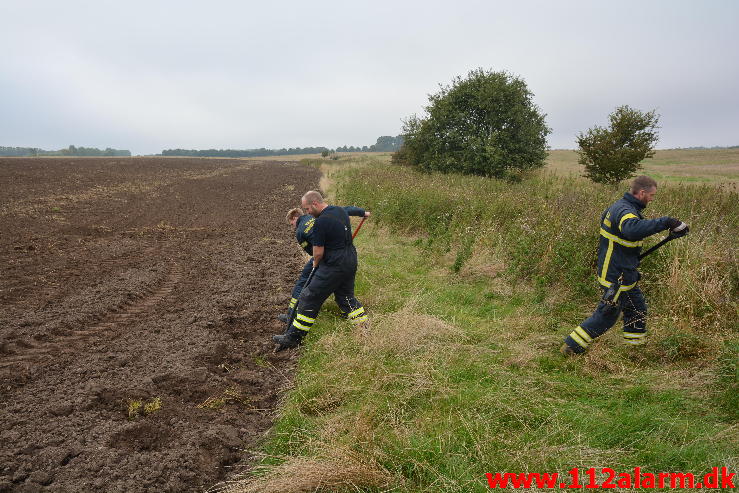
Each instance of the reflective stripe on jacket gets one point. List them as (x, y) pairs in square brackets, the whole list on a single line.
[(304, 233), (622, 229)]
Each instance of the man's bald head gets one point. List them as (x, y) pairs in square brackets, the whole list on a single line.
[(313, 203), (313, 197)]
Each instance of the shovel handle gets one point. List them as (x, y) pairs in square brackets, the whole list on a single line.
[(667, 238), (360, 225)]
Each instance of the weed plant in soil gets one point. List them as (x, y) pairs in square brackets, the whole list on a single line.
[(471, 286)]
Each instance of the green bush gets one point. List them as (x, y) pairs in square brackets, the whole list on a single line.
[(486, 124), (613, 154)]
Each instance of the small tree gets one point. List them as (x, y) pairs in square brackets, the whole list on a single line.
[(613, 154), (486, 124), (325, 153)]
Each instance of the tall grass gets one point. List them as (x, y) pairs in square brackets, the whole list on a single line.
[(546, 230)]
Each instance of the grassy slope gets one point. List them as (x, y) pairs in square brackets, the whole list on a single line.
[(459, 374)]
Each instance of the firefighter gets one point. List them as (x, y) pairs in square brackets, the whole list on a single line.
[(303, 226), (335, 264), (622, 229)]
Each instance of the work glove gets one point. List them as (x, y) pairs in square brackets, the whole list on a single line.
[(677, 227)]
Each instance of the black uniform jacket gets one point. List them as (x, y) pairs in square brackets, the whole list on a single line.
[(304, 227), (622, 229)]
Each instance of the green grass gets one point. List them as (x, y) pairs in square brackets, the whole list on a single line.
[(459, 374)]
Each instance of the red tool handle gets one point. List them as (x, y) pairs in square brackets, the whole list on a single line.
[(360, 225)]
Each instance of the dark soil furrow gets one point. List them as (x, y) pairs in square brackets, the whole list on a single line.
[(151, 281)]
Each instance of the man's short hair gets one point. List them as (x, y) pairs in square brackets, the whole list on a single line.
[(643, 182), (312, 197), (293, 213)]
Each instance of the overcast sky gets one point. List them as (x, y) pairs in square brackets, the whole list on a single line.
[(150, 75)]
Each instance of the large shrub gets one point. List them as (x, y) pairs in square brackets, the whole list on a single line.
[(613, 154), (486, 124)]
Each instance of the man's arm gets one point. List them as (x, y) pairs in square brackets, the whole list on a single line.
[(319, 241), (317, 255), (636, 229), (356, 211)]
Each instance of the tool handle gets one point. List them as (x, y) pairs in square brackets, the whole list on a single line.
[(360, 225), (669, 237)]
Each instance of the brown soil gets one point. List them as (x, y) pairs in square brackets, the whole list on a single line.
[(131, 279)]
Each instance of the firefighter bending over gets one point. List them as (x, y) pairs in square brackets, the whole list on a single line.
[(335, 261), (303, 226)]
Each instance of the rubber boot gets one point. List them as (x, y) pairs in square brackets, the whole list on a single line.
[(567, 350), (292, 338)]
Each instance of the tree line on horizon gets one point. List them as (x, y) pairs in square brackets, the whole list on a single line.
[(69, 151), (385, 143)]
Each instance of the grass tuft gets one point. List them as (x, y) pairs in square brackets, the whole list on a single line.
[(138, 408)]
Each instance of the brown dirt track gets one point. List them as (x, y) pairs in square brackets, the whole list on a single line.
[(130, 279)]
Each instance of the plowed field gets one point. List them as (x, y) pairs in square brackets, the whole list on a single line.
[(137, 299)]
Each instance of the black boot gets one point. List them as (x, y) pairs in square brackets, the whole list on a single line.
[(292, 338)]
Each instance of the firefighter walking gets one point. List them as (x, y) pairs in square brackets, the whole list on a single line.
[(335, 267), (622, 229)]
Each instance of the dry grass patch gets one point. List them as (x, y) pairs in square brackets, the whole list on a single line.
[(481, 266), (407, 330), (599, 359), (339, 470)]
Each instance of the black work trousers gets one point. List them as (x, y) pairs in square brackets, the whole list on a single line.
[(634, 308), (327, 280)]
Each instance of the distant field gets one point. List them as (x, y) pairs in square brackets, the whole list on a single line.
[(719, 166), (298, 157), (705, 166)]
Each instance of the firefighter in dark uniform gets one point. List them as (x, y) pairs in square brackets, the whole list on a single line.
[(335, 264), (622, 229), (303, 225)]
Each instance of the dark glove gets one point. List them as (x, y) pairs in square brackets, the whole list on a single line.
[(677, 227), (673, 223)]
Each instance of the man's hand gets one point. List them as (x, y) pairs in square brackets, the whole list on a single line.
[(681, 230), (317, 255), (677, 227), (367, 213)]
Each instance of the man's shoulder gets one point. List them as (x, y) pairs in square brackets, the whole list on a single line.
[(305, 223), (332, 212), (623, 206)]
